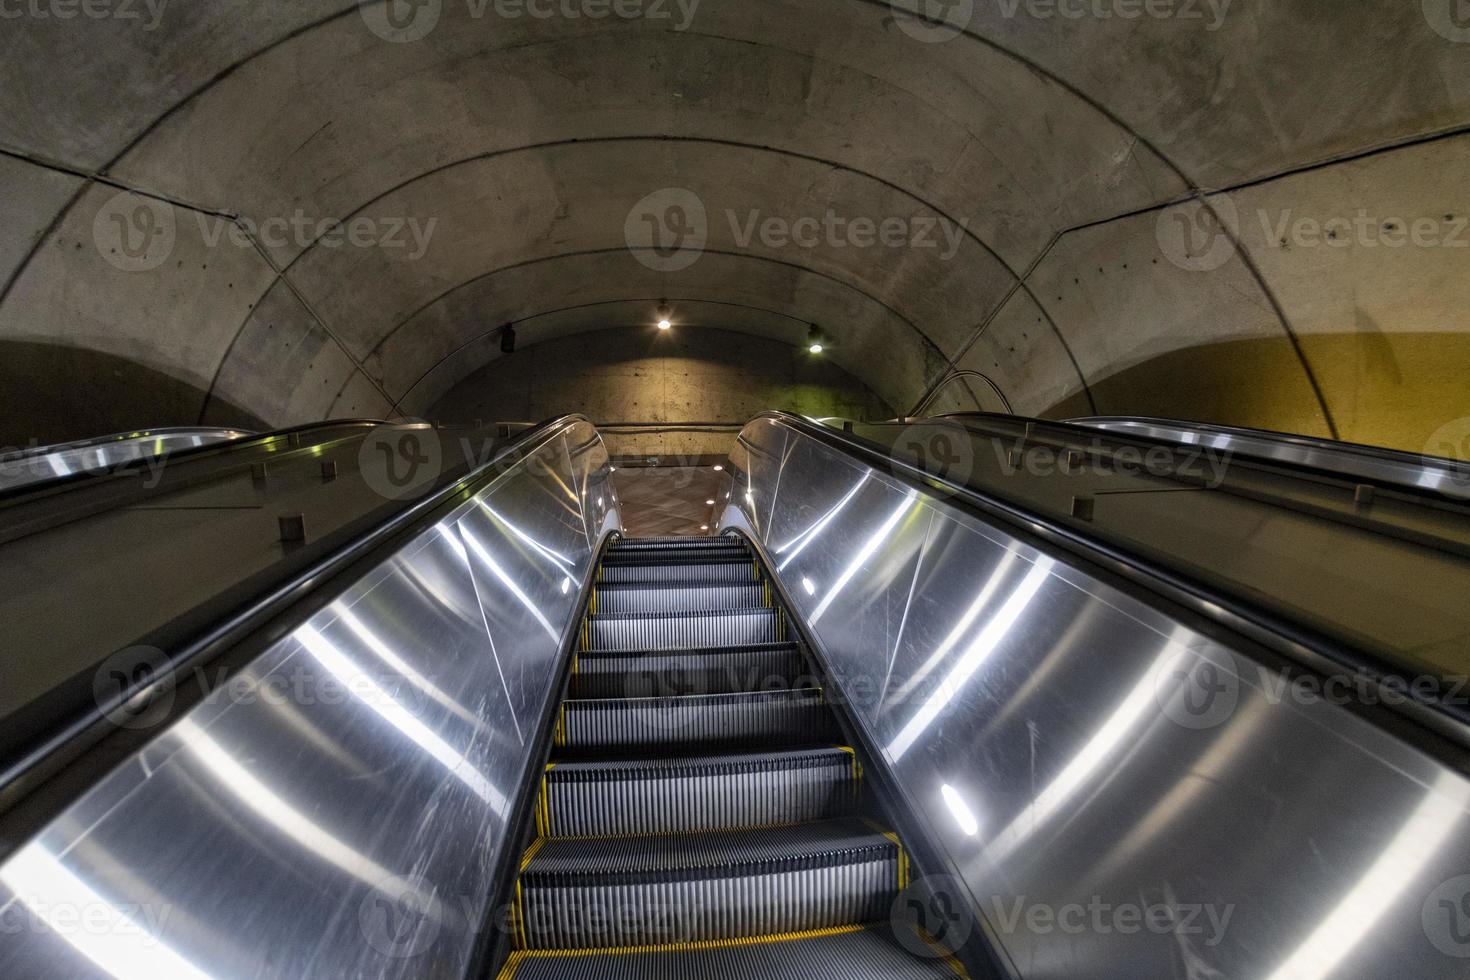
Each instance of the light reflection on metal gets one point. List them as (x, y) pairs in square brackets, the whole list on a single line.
[(114, 941), (489, 562), (964, 817), (1090, 760), (521, 535), (910, 501), (972, 612), (1439, 818), (287, 818), (402, 667), (811, 534), (975, 654)]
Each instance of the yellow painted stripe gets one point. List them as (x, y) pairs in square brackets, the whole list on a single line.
[(513, 964), (705, 944), (532, 851), (519, 912)]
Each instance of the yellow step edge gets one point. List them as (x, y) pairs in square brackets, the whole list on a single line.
[(700, 946), (660, 834)]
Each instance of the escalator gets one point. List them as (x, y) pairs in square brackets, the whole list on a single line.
[(698, 816)]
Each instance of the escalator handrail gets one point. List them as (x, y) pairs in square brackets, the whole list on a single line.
[(1415, 471), (119, 437), (131, 467), (282, 596), (1309, 648)]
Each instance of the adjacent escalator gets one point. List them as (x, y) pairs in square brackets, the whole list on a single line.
[(698, 816)]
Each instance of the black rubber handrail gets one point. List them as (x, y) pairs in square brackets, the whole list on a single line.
[(191, 454)]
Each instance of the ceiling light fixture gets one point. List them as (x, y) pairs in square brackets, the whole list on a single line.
[(508, 339), (814, 340), (664, 314)]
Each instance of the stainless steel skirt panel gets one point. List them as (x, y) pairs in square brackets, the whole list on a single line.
[(337, 808), (1122, 795)]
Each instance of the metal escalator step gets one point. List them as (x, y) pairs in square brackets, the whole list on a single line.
[(643, 556), (780, 718), (675, 796), (847, 953), (705, 670), (684, 571), (617, 599), (675, 544), (642, 891), (677, 631)]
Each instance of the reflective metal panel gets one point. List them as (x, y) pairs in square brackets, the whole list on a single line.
[(99, 455), (1124, 796), (336, 809)]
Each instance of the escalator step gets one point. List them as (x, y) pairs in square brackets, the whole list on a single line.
[(641, 891), (683, 555), (704, 541), (847, 953), (685, 572), (707, 670), (673, 796), (677, 631), (779, 718), (639, 598)]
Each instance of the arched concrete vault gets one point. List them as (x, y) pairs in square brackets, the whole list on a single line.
[(521, 146)]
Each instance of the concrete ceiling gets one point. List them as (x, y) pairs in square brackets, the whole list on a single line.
[(526, 152)]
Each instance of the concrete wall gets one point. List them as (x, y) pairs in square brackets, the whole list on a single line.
[(170, 174), (639, 374)]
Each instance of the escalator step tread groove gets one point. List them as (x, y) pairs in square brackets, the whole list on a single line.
[(696, 818), (605, 674), (851, 953), (623, 599), (670, 796), (817, 844), (662, 631), (774, 717), (683, 573)]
